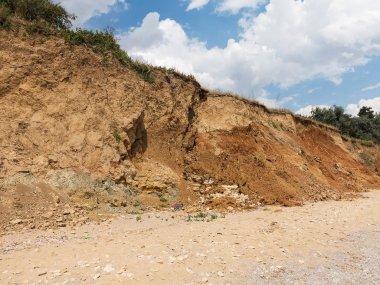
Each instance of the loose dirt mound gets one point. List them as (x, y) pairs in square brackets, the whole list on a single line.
[(98, 136)]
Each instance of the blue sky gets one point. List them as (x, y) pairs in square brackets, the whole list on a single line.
[(285, 53)]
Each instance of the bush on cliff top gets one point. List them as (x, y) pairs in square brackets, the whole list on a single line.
[(365, 126), (104, 42), (39, 10), (44, 16)]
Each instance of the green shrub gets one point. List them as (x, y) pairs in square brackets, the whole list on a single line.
[(143, 69), (364, 127), (117, 136), (40, 28), (104, 42), (40, 10), (214, 216), (44, 16), (201, 215), (4, 16)]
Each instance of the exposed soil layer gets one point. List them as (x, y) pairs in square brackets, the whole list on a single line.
[(81, 133)]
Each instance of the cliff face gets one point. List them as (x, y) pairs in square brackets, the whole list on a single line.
[(75, 121)]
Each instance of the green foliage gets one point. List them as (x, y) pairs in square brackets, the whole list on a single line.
[(40, 10), (4, 16), (143, 69), (201, 215), (102, 42), (40, 28), (105, 43), (214, 216), (366, 112), (163, 200), (116, 136), (44, 17), (365, 127)]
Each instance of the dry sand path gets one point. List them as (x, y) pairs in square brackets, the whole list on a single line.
[(321, 243)]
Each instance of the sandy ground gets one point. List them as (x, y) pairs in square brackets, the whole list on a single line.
[(321, 243)]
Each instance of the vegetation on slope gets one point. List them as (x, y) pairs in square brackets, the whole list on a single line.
[(104, 42), (366, 126), (45, 17), (35, 10)]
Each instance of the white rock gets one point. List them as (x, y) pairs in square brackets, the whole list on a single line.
[(108, 268), (172, 259), (230, 187)]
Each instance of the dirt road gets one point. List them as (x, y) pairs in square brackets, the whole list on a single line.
[(321, 243)]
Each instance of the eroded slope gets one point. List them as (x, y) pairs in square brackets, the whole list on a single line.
[(79, 126)]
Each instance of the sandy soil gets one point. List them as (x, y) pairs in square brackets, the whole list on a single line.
[(320, 243)]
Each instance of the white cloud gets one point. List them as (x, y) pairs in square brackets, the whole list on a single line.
[(197, 4), (234, 6), (353, 109), (86, 9), (306, 111), (230, 6), (289, 42), (371, 87)]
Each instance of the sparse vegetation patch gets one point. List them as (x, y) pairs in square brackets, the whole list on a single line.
[(203, 217)]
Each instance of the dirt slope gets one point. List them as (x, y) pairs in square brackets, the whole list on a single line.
[(78, 129)]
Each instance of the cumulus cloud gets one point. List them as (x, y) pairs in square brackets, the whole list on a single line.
[(86, 9), (353, 109), (306, 111), (197, 4), (289, 42)]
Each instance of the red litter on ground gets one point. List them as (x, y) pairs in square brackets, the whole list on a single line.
[(177, 206)]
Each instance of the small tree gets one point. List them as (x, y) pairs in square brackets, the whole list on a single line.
[(366, 112)]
